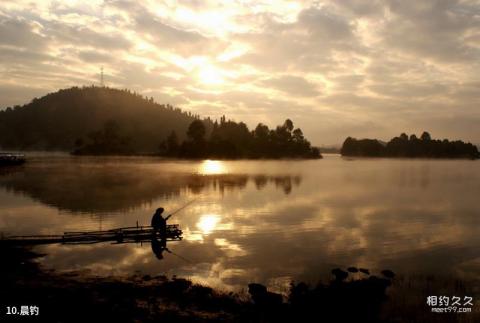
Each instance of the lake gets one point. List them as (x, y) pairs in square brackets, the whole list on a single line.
[(262, 221)]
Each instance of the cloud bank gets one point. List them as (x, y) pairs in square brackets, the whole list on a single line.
[(337, 68)]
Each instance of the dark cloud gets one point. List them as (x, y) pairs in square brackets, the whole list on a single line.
[(432, 29), (95, 56), (19, 33), (293, 85), (83, 35), (405, 89), (22, 56), (309, 44), (361, 8)]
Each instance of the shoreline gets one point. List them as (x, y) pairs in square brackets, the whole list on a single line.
[(352, 294)]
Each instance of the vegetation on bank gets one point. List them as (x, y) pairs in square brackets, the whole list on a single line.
[(404, 146), (58, 120), (353, 295), (73, 297), (106, 121), (229, 139)]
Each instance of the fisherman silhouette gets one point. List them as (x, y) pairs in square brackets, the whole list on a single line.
[(159, 223)]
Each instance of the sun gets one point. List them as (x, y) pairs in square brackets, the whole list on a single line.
[(210, 75)]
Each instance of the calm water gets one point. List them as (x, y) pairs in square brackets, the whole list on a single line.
[(264, 221)]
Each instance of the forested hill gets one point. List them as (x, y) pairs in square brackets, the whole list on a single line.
[(60, 120)]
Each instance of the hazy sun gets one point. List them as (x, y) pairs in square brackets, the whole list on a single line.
[(210, 75)]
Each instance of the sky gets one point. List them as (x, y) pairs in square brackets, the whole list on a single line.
[(366, 69)]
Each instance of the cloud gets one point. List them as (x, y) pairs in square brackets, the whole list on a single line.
[(83, 35), (309, 43), (95, 56), (433, 29), (338, 68), (293, 85), (19, 33)]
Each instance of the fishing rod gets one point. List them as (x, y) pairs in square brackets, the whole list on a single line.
[(175, 254), (178, 210)]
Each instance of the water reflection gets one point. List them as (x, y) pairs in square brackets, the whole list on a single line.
[(211, 167), (409, 216), (158, 247), (207, 223), (92, 187)]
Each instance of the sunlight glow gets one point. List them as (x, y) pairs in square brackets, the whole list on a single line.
[(210, 75), (207, 223), (212, 167)]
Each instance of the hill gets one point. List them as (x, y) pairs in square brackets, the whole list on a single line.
[(404, 146), (68, 117)]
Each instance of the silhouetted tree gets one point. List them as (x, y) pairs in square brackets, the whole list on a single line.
[(363, 147), (108, 141), (195, 146), (426, 136), (196, 131), (172, 142), (288, 125), (170, 146), (298, 135), (261, 131), (403, 147)]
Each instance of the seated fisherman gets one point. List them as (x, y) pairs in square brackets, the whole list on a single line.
[(159, 223)]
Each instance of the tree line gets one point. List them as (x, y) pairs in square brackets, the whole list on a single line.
[(410, 146), (229, 139)]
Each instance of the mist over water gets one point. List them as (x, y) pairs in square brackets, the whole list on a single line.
[(264, 221)]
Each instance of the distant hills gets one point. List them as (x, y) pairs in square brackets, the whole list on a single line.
[(66, 118), (405, 146), (105, 121)]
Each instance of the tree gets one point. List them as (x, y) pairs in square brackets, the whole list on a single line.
[(288, 124), (298, 135), (107, 141), (172, 143), (426, 136), (196, 131), (261, 131)]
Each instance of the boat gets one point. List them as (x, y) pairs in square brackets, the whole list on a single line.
[(118, 235), (10, 159)]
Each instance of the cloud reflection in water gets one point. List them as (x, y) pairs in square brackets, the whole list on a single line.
[(262, 221)]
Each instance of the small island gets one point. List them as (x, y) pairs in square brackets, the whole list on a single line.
[(227, 140), (410, 147)]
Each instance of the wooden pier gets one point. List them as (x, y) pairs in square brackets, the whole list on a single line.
[(119, 235), (9, 159)]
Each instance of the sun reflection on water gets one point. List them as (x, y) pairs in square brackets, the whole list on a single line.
[(208, 223), (211, 167)]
